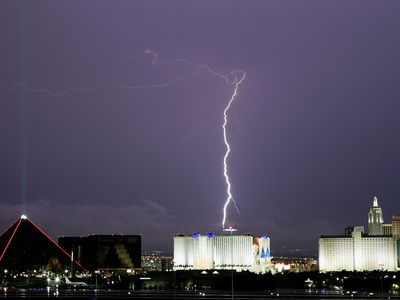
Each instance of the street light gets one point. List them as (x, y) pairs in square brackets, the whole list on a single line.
[(381, 265), (96, 273), (231, 229), (4, 277)]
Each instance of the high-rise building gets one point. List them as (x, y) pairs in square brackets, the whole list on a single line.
[(357, 251), (211, 251), (375, 219)]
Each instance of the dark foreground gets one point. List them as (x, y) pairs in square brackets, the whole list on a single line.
[(124, 294)]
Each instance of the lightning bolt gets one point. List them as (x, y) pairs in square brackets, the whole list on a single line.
[(96, 87), (239, 78), (234, 78), (155, 61), (195, 131)]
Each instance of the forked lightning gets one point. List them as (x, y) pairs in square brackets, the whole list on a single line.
[(234, 78)]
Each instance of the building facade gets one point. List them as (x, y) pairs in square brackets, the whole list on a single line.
[(97, 252), (357, 251), (222, 252), (396, 226), (375, 219)]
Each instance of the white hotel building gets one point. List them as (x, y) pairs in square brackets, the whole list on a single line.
[(221, 252), (357, 251)]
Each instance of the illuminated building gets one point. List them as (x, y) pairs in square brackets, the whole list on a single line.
[(375, 219), (222, 252), (183, 252), (261, 254), (396, 226), (203, 251), (357, 251), (396, 235), (386, 229)]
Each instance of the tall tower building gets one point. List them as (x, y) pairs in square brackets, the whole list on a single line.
[(375, 219)]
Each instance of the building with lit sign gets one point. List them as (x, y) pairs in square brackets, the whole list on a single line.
[(357, 251)]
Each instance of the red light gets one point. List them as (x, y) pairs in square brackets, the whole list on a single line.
[(59, 247), (10, 226), (9, 241)]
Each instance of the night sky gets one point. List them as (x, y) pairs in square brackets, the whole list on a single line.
[(96, 137)]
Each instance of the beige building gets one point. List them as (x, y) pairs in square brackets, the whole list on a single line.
[(396, 226), (357, 251)]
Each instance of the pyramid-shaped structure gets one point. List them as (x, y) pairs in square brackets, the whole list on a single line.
[(26, 247)]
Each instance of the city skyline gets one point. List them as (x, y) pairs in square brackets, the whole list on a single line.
[(358, 250), (98, 139)]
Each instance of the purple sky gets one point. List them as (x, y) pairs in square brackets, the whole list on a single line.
[(314, 130)]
